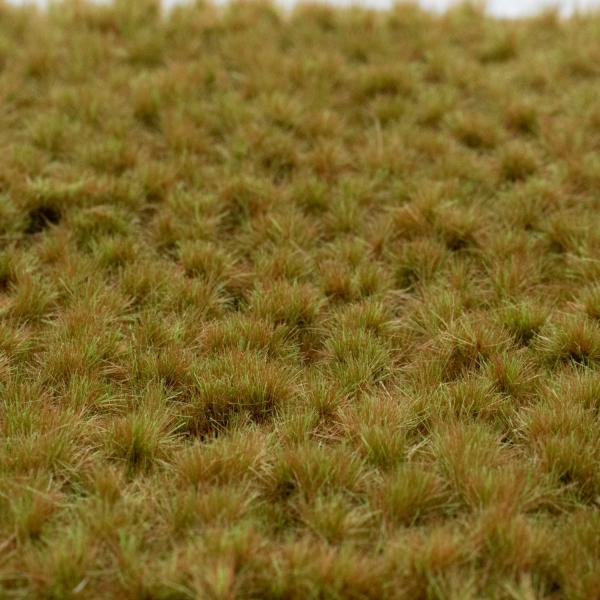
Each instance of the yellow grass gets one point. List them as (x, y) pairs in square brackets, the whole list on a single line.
[(298, 305)]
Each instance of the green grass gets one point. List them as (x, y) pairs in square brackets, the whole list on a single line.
[(298, 305)]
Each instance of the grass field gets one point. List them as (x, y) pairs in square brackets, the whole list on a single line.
[(300, 305)]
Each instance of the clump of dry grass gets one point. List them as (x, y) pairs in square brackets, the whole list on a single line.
[(298, 305)]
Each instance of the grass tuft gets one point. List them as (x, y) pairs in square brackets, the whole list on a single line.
[(298, 304)]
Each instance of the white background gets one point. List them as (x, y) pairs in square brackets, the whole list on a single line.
[(502, 8)]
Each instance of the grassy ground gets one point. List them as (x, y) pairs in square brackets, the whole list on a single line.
[(298, 306)]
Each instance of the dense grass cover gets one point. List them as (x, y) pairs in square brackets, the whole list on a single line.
[(298, 305)]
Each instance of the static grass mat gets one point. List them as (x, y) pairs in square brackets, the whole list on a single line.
[(298, 305)]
